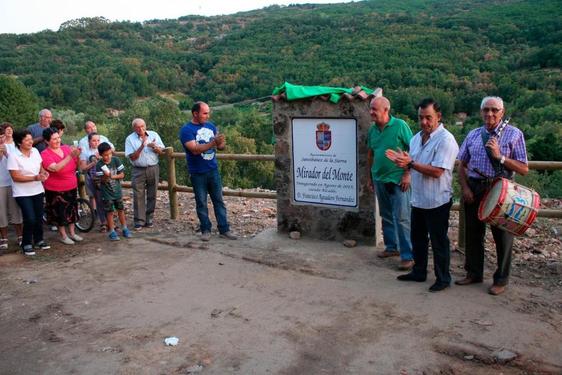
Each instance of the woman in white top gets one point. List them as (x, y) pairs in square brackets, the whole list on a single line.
[(27, 186), (10, 212)]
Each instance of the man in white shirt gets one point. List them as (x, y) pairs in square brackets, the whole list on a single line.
[(143, 148), (90, 127), (431, 161)]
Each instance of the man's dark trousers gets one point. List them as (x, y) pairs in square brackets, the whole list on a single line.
[(432, 224), (475, 231)]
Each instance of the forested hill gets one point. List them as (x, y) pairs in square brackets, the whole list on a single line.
[(455, 50)]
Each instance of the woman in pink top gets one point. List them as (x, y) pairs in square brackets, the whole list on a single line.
[(61, 187)]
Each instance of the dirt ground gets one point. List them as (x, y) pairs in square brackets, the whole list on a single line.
[(266, 304)]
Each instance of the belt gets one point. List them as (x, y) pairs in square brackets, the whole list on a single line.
[(148, 166)]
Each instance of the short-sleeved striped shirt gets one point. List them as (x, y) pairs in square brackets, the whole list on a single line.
[(473, 153), (439, 151)]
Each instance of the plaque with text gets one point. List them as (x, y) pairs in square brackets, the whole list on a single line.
[(325, 161)]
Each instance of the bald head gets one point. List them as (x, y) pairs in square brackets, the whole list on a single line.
[(381, 101), (380, 110), (90, 127)]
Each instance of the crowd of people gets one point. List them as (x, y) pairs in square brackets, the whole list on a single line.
[(411, 176), (39, 182), (38, 178)]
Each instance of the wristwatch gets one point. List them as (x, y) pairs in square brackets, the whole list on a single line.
[(502, 159), (410, 165)]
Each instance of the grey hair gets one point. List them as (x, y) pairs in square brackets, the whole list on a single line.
[(88, 122), (43, 112), (497, 98), (135, 121)]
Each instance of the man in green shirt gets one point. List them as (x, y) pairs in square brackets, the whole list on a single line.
[(390, 183)]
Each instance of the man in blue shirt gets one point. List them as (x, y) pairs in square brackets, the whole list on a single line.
[(501, 155), (200, 139), (45, 119)]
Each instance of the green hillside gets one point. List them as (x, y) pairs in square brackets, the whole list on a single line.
[(464, 48), (457, 51)]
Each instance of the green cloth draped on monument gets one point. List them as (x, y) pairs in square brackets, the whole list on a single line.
[(296, 92)]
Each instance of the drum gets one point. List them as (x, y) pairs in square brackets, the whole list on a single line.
[(510, 206)]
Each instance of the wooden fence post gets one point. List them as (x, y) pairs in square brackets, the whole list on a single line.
[(172, 193)]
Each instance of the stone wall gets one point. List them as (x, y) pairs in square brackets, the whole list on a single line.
[(321, 222)]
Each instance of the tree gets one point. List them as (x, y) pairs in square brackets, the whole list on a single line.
[(161, 115), (18, 104)]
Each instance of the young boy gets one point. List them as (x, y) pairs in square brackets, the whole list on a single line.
[(110, 171)]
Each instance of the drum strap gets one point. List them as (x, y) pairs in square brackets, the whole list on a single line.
[(500, 171)]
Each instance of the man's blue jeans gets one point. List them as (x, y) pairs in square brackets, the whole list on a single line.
[(209, 183), (394, 209)]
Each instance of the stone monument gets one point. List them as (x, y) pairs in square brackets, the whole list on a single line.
[(321, 170)]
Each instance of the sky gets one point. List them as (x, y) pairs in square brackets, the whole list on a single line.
[(29, 16)]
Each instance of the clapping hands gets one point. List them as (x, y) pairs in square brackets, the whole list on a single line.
[(400, 158)]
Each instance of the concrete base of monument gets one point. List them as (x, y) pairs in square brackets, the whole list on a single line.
[(267, 304)]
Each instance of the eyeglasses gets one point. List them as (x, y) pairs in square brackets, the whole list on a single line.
[(493, 110)]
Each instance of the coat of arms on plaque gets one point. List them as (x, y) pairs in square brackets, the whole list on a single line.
[(323, 136)]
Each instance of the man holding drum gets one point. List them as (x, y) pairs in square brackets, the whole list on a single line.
[(493, 150)]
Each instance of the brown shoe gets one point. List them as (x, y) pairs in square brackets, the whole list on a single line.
[(496, 290), (406, 265), (388, 254), (468, 280)]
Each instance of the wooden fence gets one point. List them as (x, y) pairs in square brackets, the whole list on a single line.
[(173, 188)]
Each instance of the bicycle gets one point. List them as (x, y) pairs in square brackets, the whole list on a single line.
[(86, 216)]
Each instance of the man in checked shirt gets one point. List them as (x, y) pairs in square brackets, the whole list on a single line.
[(506, 155)]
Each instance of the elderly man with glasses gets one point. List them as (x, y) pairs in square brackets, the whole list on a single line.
[(495, 149)]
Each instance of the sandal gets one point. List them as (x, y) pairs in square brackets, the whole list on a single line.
[(103, 228)]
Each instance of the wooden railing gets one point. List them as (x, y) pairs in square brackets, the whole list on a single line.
[(172, 187)]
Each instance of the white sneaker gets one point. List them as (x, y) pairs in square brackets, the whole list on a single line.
[(76, 238), (67, 241)]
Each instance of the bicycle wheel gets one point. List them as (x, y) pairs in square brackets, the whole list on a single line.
[(86, 215)]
